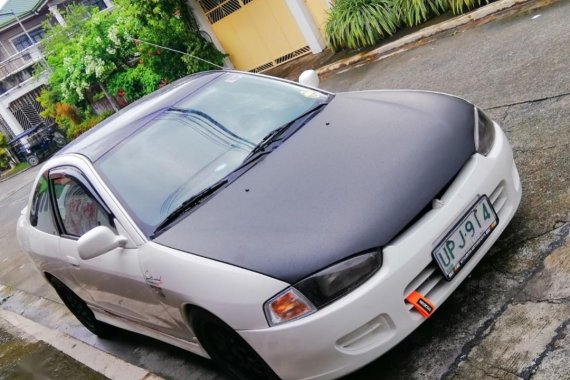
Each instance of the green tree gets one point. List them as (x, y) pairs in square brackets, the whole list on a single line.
[(4, 156), (114, 52)]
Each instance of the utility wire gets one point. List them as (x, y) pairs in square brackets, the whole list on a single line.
[(177, 51)]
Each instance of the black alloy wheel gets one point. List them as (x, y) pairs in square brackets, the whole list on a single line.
[(227, 349), (33, 160), (79, 309), (59, 140)]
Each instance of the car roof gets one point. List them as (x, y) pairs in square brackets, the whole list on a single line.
[(105, 136)]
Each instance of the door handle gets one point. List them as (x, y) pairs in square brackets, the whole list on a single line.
[(73, 261)]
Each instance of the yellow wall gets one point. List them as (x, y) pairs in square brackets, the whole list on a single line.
[(259, 32)]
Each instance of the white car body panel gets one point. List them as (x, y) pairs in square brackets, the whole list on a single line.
[(370, 320), (236, 296), (146, 284)]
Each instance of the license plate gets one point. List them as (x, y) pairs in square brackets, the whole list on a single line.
[(465, 237)]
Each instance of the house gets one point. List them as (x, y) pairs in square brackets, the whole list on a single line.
[(261, 34), (256, 34), (20, 31)]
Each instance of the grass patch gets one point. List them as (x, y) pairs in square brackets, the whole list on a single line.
[(18, 168)]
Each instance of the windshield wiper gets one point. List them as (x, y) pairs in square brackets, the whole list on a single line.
[(269, 139), (260, 150), (279, 134), (188, 205)]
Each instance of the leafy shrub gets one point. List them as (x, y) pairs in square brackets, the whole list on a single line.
[(73, 120), (64, 114), (461, 6), (76, 130), (4, 156), (415, 12), (118, 50), (136, 82), (358, 23)]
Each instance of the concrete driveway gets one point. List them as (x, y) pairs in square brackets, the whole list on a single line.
[(510, 319)]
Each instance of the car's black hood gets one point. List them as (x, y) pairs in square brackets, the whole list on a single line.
[(349, 180)]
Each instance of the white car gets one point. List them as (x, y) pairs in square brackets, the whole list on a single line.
[(281, 230)]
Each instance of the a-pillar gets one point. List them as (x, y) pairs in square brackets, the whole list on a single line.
[(306, 25), (108, 3)]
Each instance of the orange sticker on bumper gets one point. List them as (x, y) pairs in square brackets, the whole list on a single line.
[(422, 304)]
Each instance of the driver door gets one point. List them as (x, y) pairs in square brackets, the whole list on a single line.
[(113, 280)]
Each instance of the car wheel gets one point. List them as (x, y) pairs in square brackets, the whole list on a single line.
[(33, 160), (79, 309), (59, 140), (228, 349)]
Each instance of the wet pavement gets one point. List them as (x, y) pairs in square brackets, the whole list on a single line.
[(22, 359), (510, 318)]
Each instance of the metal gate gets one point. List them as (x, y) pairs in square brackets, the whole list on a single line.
[(257, 34), (26, 110)]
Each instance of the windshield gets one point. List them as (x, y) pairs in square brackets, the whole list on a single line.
[(199, 141)]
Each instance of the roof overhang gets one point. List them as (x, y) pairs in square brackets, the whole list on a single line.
[(24, 9)]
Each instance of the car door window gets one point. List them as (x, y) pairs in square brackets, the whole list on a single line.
[(41, 216), (79, 212)]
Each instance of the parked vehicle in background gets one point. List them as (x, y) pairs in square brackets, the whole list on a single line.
[(36, 143)]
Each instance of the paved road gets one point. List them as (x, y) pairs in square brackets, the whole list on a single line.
[(510, 318), (15, 269)]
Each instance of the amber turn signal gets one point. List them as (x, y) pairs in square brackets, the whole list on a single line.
[(286, 306)]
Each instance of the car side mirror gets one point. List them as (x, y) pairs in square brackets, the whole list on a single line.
[(99, 241), (309, 78)]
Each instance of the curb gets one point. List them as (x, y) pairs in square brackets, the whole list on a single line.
[(99, 361), (15, 174), (403, 43)]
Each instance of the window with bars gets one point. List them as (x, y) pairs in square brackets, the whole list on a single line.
[(26, 110), (218, 9), (22, 42)]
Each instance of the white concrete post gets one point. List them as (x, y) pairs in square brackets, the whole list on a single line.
[(11, 120), (306, 24), (108, 3), (54, 11), (204, 24)]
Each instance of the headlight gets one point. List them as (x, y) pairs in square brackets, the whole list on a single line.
[(484, 132), (322, 288)]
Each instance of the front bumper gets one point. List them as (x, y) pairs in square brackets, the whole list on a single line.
[(372, 319)]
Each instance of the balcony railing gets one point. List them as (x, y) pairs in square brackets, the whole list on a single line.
[(20, 61)]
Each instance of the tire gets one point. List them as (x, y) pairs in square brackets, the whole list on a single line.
[(79, 309), (228, 350), (33, 160), (59, 140)]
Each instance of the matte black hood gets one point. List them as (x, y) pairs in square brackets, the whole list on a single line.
[(349, 180)]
